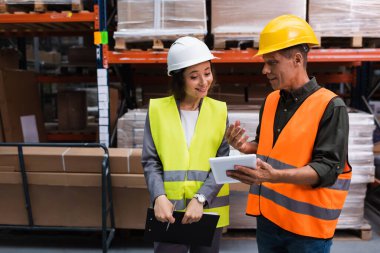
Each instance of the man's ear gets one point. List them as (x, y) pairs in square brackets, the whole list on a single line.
[(298, 59)]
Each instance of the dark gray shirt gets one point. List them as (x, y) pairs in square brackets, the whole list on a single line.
[(153, 170), (331, 144)]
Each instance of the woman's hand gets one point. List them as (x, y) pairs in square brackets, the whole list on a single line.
[(163, 209), (194, 212)]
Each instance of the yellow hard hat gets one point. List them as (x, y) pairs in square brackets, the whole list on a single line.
[(285, 31)]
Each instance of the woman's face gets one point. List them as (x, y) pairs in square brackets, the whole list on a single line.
[(198, 79)]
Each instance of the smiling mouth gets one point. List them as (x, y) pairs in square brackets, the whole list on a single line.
[(201, 90)]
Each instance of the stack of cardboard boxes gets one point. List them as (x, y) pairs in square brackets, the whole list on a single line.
[(65, 186)]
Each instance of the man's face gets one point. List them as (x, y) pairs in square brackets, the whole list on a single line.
[(280, 71)]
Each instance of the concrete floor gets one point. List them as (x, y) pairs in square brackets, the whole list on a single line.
[(19, 242)]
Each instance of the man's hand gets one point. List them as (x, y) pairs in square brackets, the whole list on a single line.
[(163, 209), (236, 138), (264, 172), (194, 212)]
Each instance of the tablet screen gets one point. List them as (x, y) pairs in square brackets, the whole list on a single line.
[(219, 166)]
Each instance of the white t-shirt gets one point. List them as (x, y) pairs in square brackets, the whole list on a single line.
[(189, 120)]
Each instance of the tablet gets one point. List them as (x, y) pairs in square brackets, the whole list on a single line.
[(219, 166)]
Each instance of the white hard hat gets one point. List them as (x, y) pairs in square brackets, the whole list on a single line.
[(187, 51)]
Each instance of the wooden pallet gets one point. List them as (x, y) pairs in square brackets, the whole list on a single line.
[(40, 7), (349, 42), (235, 41), (363, 232), (69, 28), (239, 234), (157, 44), (243, 41)]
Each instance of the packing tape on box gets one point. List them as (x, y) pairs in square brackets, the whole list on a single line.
[(63, 159), (130, 151)]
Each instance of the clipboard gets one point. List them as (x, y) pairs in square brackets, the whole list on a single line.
[(198, 233), (219, 166)]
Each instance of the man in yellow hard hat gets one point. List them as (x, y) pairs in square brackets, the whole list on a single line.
[(302, 174)]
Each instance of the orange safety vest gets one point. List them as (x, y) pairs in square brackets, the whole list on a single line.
[(300, 209)]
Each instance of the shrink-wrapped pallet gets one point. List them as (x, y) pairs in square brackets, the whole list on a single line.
[(345, 18), (140, 20), (40, 5), (244, 19), (130, 129), (40, 1)]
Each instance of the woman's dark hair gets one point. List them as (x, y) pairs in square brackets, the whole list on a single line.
[(177, 86)]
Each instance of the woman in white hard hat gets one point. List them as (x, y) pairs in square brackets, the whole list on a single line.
[(182, 132)]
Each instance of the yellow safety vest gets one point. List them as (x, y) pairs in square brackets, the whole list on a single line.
[(299, 209), (185, 169)]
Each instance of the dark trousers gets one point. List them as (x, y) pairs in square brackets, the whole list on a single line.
[(273, 239), (160, 247)]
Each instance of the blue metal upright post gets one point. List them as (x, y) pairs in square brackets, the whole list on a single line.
[(101, 42)]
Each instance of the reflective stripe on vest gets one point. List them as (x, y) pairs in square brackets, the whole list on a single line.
[(181, 175), (299, 209), (186, 169)]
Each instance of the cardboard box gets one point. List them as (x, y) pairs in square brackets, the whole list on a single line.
[(64, 159), (376, 148), (114, 106), (72, 199), (130, 207), (72, 110), (122, 160), (52, 57), (238, 217), (135, 166), (19, 96), (12, 209), (2, 138), (8, 159), (82, 55), (35, 159), (9, 59), (239, 187), (88, 160)]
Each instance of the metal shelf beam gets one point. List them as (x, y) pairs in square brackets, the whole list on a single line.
[(355, 56), (48, 17)]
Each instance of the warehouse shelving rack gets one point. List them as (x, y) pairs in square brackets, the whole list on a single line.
[(354, 56), (352, 59), (106, 194), (96, 21), (69, 23), (73, 24)]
